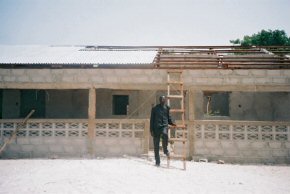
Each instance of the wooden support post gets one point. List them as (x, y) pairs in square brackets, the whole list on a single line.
[(14, 134), (91, 121)]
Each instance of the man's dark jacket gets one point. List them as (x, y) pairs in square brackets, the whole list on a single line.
[(160, 118)]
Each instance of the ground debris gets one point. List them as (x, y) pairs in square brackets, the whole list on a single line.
[(203, 160), (221, 162)]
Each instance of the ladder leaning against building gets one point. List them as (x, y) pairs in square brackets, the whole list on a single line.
[(175, 99)]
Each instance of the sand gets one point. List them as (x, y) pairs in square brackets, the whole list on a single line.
[(137, 175)]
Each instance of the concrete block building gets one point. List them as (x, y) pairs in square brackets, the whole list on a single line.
[(96, 100)]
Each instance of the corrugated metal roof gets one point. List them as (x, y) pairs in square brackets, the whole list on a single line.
[(72, 55)]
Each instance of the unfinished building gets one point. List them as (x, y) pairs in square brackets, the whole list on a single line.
[(96, 101)]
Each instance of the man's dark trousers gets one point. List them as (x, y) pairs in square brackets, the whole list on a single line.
[(156, 141)]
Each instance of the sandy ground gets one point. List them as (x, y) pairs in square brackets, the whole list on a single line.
[(137, 175)]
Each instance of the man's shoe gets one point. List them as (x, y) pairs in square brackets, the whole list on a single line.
[(157, 165)]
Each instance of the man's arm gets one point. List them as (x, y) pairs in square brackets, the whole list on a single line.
[(170, 122)]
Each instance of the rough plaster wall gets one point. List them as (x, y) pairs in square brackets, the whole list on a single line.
[(282, 106), (80, 103), (58, 104), (134, 105), (104, 103), (241, 106), (261, 106), (264, 106), (198, 104), (11, 104), (147, 101), (67, 104)]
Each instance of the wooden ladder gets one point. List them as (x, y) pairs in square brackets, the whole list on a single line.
[(175, 99)]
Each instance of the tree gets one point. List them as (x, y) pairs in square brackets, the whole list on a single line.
[(264, 38)]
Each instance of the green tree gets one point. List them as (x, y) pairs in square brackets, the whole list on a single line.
[(264, 38)]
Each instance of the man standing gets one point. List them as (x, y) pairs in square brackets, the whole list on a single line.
[(159, 121)]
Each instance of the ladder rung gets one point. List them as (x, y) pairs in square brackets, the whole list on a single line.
[(175, 96), (177, 139), (177, 110)]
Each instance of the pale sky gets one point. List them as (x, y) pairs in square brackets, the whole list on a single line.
[(138, 22)]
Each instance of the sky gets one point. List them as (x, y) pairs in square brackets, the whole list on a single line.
[(138, 22)]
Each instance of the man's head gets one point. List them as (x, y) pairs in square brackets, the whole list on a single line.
[(162, 100)]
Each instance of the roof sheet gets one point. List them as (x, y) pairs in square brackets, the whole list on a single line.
[(72, 55)]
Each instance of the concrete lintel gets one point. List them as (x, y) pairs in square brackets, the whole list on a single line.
[(244, 88), (119, 86), (147, 86)]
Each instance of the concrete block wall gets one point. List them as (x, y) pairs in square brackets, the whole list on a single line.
[(243, 152), (46, 147), (233, 141), (109, 147), (62, 147), (82, 76), (137, 80), (47, 138), (237, 77), (86, 77)]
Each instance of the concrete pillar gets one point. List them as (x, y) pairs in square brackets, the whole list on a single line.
[(191, 118), (191, 103), (146, 137), (91, 120)]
